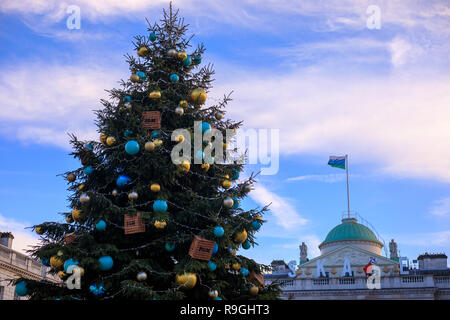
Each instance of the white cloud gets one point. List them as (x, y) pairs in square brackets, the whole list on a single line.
[(428, 240), (441, 208), (398, 122), (47, 101), (285, 214), (328, 178), (23, 238)]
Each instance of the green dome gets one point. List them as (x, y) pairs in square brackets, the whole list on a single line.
[(349, 229)]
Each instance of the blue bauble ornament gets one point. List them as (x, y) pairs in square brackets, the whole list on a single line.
[(215, 249), (218, 298), (204, 126), (212, 266), (141, 75), (219, 232), (106, 263), (127, 133), (69, 262), (236, 203), (244, 272), (174, 77), (197, 60), (199, 155), (127, 98), (96, 290), (89, 146), (100, 226), (152, 36), (234, 175), (246, 245), (45, 262), (155, 134), (169, 247), (88, 170), (160, 206), (132, 147), (122, 181), (21, 289), (256, 225), (187, 62)]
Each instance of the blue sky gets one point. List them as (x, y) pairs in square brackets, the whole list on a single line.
[(314, 71)]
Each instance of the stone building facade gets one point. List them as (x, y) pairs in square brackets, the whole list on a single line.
[(14, 264), (351, 266)]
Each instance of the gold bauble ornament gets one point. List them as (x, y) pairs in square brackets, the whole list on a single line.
[(141, 276), (160, 224), (183, 104), (149, 146), (253, 290), (172, 53), (258, 218), (81, 187), (182, 55), (77, 215), (142, 51), (110, 140), (155, 187), (241, 236), (186, 280), (226, 184), (56, 262), (185, 166), (71, 177), (39, 230), (224, 145), (236, 266), (179, 138), (103, 138), (134, 78), (205, 167), (115, 192), (158, 143), (179, 111), (62, 275), (248, 188), (155, 95), (133, 195), (198, 96), (213, 294), (227, 266)]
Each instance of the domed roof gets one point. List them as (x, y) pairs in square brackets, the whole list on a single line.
[(349, 229)]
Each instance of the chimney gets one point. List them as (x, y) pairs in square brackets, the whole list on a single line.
[(6, 239)]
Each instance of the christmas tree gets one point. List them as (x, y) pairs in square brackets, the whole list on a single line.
[(148, 222)]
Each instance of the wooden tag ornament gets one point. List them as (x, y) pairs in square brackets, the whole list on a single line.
[(70, 237), (201, 249), (151, 120), (133, 223), (258, 277)]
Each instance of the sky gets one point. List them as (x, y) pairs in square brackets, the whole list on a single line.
[(314, 70)]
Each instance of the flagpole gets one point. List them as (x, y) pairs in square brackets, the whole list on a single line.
[(348, 193)]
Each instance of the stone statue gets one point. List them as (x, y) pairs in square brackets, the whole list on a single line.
[(303, 252), (393, 249)]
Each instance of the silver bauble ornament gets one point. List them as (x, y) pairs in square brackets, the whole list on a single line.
[(172, 53), (248, 188), (141, 276), (133, 195), (128, 105), (179, 111), (219, 115), (228, 202), (84, 198), (213, 294), (115, 192)]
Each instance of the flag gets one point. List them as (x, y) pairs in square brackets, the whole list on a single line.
[(337, 162)]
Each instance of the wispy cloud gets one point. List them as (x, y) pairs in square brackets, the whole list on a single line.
[(328, 178), (23, 238), (285, 214), (441, 208)]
